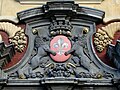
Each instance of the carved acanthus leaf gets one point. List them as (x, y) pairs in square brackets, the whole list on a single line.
[(111, 29), (104, 35), (9, 28), (16, 35)]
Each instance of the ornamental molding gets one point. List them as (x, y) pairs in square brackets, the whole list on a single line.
[(12, 19)]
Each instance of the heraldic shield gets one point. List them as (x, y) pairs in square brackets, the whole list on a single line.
[(59, 43)]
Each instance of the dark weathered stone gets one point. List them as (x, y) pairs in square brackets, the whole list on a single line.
[(82, 71), (6, 53), (113, 52)]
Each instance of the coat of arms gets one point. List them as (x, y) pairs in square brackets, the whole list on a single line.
[(59, 43)]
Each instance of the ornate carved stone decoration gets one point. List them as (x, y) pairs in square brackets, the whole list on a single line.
[(19, 40), (104, 35), (6, 53), (10, 28), (60, 48), (16, 35), (101, 40)]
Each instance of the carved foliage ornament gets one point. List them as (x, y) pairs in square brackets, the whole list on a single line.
[(13, 41), (61, 48), (16, 35), (9, 28), (105, 35)]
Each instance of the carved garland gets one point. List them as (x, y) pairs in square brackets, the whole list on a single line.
[(16, 35), (104, 35)]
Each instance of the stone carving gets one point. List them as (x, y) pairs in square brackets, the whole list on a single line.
[(78, 51), (42, 63), (16, 35), (59, 70), (6, 53), (42, 50), (111, 29), (104, 35), (66, 69), (13, 19), (113, 52), (35, 11), (77, 24), (101, 40), (9, 28), (60, 44), (19, 40), (3, 77), (62, 27)]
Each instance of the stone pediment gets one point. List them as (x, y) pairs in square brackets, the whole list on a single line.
[(60, 42)]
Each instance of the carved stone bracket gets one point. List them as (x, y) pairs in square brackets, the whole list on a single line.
[(62, 6)]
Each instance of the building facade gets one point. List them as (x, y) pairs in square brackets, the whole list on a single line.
[(59, 45)]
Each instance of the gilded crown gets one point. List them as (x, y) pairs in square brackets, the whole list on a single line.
[(60, 26)]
